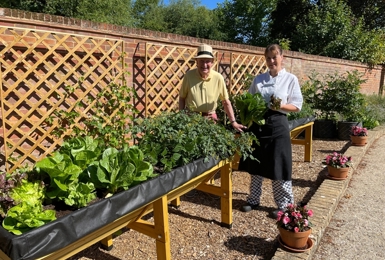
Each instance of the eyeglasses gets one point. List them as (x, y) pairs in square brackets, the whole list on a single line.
[(205, 61)]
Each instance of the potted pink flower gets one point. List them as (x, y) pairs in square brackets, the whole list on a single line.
[(338, 160), (359, 131), (358, 135), (294, 225), (338, 165)]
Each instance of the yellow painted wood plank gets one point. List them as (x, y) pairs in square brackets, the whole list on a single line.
[(3, 256)]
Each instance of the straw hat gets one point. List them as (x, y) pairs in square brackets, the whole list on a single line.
[(205, 51)]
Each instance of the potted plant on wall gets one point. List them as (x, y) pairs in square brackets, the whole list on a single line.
[(338, 165), (294, 227), (358, 136), (349, 101), (321, 100), (335, 97)]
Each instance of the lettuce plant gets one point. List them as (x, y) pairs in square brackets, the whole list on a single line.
[(7, 183), (119, 170), (26, 216), (251, 108), (82, 150), (64, 182), (28, 211)]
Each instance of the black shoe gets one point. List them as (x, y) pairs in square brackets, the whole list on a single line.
[(249, 207), (274, 214)]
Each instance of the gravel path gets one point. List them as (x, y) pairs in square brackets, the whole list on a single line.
[(357, 229)]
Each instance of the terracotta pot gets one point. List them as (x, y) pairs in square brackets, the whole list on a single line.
[(358, 140), (294, 240), (338, 173)]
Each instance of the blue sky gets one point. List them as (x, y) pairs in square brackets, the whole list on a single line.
[(210, 4)]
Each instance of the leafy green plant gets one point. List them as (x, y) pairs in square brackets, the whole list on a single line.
[(251, 107), (26, 216), (31, 192), (28, 211), (7, 183), (173, 139), (82, 150), (108, 119), (119, 170), (306, 111), (221, 113), (334, 95), (64, 183), (374, 111)]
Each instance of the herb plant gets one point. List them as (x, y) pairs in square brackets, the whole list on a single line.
[(174, 139), (275, 102)]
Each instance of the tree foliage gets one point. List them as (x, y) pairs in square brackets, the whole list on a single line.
[(371, 11), (112, 11), (188, 17), (246, 21), (330, 29), (285, 18), (347, 29)]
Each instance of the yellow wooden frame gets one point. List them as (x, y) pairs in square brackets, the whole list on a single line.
[(307, 142), (159, 230)]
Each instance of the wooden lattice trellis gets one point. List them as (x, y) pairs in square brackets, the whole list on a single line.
[(243, 68), (36, 68)]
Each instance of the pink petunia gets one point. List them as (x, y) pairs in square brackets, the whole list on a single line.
[(296, 229), (310, 213)]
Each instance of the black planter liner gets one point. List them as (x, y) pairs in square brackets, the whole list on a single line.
[(325, 129), (344, 129), (300, 121), (70, 228)]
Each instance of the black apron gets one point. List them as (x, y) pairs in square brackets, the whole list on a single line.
[(274, 149)]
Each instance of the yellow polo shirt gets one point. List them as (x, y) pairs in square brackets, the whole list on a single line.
[(202, 95)]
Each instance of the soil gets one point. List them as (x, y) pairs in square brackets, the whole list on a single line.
[(195, 230)]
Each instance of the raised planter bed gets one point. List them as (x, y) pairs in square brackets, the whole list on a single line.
[(72, 233)]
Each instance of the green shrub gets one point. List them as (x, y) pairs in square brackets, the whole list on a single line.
[(305, 112), (335, 95), (374, 111)]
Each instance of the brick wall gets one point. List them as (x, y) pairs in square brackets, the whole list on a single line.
[(298, 63)]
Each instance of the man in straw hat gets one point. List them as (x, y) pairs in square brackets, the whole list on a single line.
[(202, 87)]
